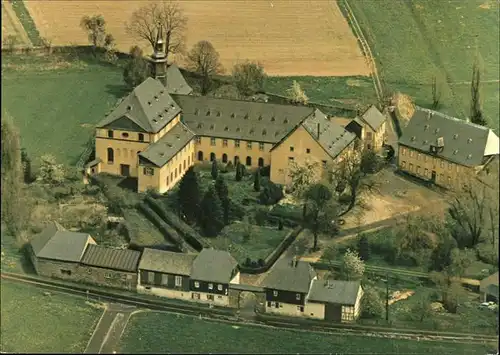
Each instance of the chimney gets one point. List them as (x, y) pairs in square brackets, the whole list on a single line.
[(319, 130)]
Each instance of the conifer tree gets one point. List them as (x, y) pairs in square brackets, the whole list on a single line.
[(211, 216), (256, 182), (239, 174), (223, 193), (215, 170), (189, 195)]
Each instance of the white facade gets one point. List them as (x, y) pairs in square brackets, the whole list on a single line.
[(203, 297), (236, 279), (164, 292), (285, 309)]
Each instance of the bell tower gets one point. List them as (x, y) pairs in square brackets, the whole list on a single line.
[(158, 59)]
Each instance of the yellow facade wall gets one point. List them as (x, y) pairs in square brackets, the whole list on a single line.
[(220, 146), (156, 136), (374, 140), (301, 141), (422, 165), (125, 152), (315, 310)]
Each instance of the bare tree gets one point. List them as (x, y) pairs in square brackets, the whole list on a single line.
[(302, 177), (95, 27), (145, 22), (249, 78), (436, 94), (476, 110), (203, 59)]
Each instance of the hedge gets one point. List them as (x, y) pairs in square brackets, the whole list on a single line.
[(164, 228), (273, 257), (188, 233), (286, 213)]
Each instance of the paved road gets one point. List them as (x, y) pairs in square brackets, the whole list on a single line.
[(109, 329)]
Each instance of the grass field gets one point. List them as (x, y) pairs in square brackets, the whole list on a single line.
[(11, 26), (412, 41), (56, 103), (34, 323), (287, 37), (144, 232), (182, 334)]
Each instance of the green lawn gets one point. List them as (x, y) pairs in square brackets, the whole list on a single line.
[(261, 242), (56, 103), (183, 334), (145, 233), (412, 41), (34, 323)]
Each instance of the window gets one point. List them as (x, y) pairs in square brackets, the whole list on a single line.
[(300, 308), (249, 161), (171, 177), (224, 158), (150, 277), (66, 272), (418, 170), (200, 155), (89, 271), (107, 275), (347, 313), (210, 286), (164, 279), (411, 153), (141, 137), (449, 165), (210, 297), (110, 134), (261, 146), (175, 173), (219, 287), (111, 156), (297, 296), (261, 162), (275, 293), (184, 165), (403, 164), (308, 151), (124, 135), (149, 171), (449, 179), (323, 163), (237, 143), (411, 167), (425, 158), (224, 142), (189, 159), (178, 281), (219, 297), (198, 140), (196, 296), (212, 141), (368, 135), (291, 148), (441, 177), (196, 284), (426, 172), (269, 303), (249, 145), (441, 164), (403, 151), (290, 160), (212, 156)]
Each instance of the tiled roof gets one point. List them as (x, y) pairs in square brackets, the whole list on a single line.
[(161, 151), (56, 243), (286, 277), (373, 117), (465, 143), (166, 261), (332, 137), (334, 291), (108, 258), (149, 106), (244, 120), (176, 84), (213, 265)]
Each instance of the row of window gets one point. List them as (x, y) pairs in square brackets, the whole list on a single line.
[(297, 295), (279, 305), (125, 135), (347, 313), (425, 173), (324, 163), (292, 149), (196, 296), (213, 142), (236, 159), (426, 158), (164, 279), (210, 286)]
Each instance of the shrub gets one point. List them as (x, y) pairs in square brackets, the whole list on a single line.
[(247, 262), (487, 254), (260, 217), (236, 212), (270, 194), (229, 166), (345, 198), (284, 212), (265, 171), (371, 304), (261, 262), (62, 192), (92, 190)]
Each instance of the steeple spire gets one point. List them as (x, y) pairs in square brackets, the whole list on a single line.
[(159, 58), (159, 51)]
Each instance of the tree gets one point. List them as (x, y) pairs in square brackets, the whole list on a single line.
[(256, 180), (476, 111), (212, 216), (14, 209), (414, 241), (189, 195), (352, 267), (95, 27), (215, 170), (26, 162), (421, 307), (364, 248), (203, 59), (296, 95), (460, 261), (137, 68), (371, 304), (436, 94), (302, 177), (239, 173), (223, 193), (249, 78), (370, 162), (318, 196), (145, 23), (441, 255), (50, 171), (270, 194)]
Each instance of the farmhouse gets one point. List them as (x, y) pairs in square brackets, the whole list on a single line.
[(370, 128), (157, 132), (488, 288), (56, 252), (165, 273), (445, 150)]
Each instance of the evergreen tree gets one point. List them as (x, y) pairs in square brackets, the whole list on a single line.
[(137, 68), (256, 182), (223, 193), (215, 170), (476, 110), (189, 195), (211, 216), (364, 248), (28, 177), (239, 174)]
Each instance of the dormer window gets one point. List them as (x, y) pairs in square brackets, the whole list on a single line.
[(129, 107), (155, 120), (156, 98), (260, 117), (160, 116), (272, 119), (455, 152), (264, 132), (436, 130), (469, 140), (251, 130), (276, 133), (211, 126), (232, 115), (246, 116), (218, 113), (238, 129), (455, 136), (426, 127), (172, 106), (469, 156), (425, 142), (162, 92), (166, 110), (149, 103), (285, 120), (208, 113), (200, 125), (196, 111), (413, 138), (226, 128)]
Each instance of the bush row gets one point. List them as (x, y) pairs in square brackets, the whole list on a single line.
[(169, 233), (286, 213), (273, 257), (188, 233)]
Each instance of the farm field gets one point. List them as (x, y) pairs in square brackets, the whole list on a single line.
[(56, 103), (34, 323), (412, 41), (11, 25), (318, 42), (202, 336)]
